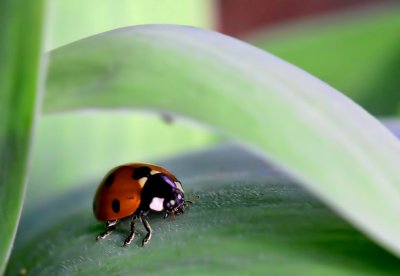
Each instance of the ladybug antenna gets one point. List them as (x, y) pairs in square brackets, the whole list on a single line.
[(192, 199)]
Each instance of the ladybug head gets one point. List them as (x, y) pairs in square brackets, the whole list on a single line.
[(176, 205)]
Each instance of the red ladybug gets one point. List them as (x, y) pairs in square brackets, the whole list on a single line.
[(133, 190)]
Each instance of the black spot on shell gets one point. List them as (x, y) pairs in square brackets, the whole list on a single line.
[(141, 172), (109, 180), (115, 205)]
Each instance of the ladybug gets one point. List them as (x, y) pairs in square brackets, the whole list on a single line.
[(132, 191)]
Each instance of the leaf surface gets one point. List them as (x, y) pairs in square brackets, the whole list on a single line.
[(250, 219)]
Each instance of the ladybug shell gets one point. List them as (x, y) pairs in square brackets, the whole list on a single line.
[(119, 193)]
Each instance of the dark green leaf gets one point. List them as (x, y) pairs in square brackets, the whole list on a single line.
[(250, 219)]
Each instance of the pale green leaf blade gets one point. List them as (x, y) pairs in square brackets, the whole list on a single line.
[(334, 147)]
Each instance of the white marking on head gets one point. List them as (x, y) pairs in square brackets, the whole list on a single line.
[(142, 181), (172, 202), (157, 204), (179, 185), (153, 172)]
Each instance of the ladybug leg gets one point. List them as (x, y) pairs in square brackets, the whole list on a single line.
[(131, 236), (110, 227), (148, 229)]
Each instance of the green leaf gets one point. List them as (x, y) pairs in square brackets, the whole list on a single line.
[(250, 219), (359, 54), (20, 36), (335, 148)]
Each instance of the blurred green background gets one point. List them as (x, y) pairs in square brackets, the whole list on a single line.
[(70, 20)]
